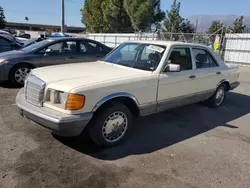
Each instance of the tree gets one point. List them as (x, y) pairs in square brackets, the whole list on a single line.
[(116, 16), (173, 21), (142, 13), (92, 16), (187, 27), (216, 27), (2, 18), (159, 15), (239, 26)]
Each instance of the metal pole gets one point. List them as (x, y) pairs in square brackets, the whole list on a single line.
[(62, 26)]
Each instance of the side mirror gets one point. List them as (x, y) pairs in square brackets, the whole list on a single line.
[(173, 68), (13, 45), (48, 50)]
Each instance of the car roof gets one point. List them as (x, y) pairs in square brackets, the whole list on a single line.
[(167, 43), (66, 38), (7, 36)]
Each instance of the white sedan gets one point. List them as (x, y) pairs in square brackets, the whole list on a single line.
[(136, 79)]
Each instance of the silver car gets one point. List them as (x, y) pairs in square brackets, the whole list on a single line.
[(15, 65)]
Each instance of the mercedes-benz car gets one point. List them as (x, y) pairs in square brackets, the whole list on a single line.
[(136, 79)]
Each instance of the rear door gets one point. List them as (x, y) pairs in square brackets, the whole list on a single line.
[(90, 51), (207, 70)]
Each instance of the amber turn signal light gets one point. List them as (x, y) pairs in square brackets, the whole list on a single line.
[(74, 102)]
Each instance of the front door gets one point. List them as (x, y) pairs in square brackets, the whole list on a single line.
[(61, 52), (177, 88)]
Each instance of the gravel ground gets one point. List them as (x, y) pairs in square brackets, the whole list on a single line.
[(192, 146)]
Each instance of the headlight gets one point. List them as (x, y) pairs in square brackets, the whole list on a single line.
[(65, 100), (3, 61), (63, 97)]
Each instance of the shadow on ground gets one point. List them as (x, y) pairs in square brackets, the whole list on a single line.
[(9, 85), (161, 130)]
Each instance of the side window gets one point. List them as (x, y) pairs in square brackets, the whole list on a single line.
[(4, 42), (61, 47), (145, 53), (90, 47), (203, 59), (182, 57)]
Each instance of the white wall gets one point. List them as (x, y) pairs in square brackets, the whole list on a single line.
[(237, 48), (114, 39)]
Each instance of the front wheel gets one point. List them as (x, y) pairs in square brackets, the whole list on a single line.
[(111, 125), (18, 74), (218, 97)]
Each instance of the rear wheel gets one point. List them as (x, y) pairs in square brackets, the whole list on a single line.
[(18, 73), (111, 125), (218, 97)]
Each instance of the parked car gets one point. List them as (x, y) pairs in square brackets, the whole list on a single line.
[(15, 65), (136, 79), (24, 36), (8, 42)]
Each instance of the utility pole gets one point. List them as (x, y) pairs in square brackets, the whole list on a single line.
[(196, 26), (62, 24)]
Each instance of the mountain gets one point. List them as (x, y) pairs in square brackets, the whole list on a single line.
[(204, 21)]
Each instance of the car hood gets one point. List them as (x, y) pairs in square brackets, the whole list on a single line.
[(70, 76), (11, 54)]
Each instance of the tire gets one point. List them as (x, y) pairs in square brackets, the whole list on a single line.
[(104, 131), (18, 74), (218, 97)]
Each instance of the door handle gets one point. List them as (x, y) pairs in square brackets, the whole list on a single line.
[(218, 72), (192, 76), (71, 57)]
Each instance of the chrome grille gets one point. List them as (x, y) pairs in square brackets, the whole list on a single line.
[(34, 90)]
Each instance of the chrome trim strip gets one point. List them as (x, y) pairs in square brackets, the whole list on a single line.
[(115, 95), (148, 108), (184, 100)]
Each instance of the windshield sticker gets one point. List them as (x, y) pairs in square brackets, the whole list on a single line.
[(156, 48)]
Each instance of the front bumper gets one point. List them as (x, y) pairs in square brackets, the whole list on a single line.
[(4, 72), (57, 122), (234, 85)]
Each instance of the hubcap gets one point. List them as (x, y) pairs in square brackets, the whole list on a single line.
[(115, 127), (220, 96), (21, 74)]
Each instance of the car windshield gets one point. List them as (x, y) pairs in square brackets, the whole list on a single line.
[(36, 46), (137, 55)]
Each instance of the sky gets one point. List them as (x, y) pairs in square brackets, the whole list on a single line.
[(49, 11)]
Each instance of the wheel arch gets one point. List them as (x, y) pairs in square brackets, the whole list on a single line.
[(126, 98), (226, 82)]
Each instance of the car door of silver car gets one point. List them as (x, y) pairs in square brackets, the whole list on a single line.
[(61, 52)]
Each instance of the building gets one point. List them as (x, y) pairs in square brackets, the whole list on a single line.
[(42, 27)]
